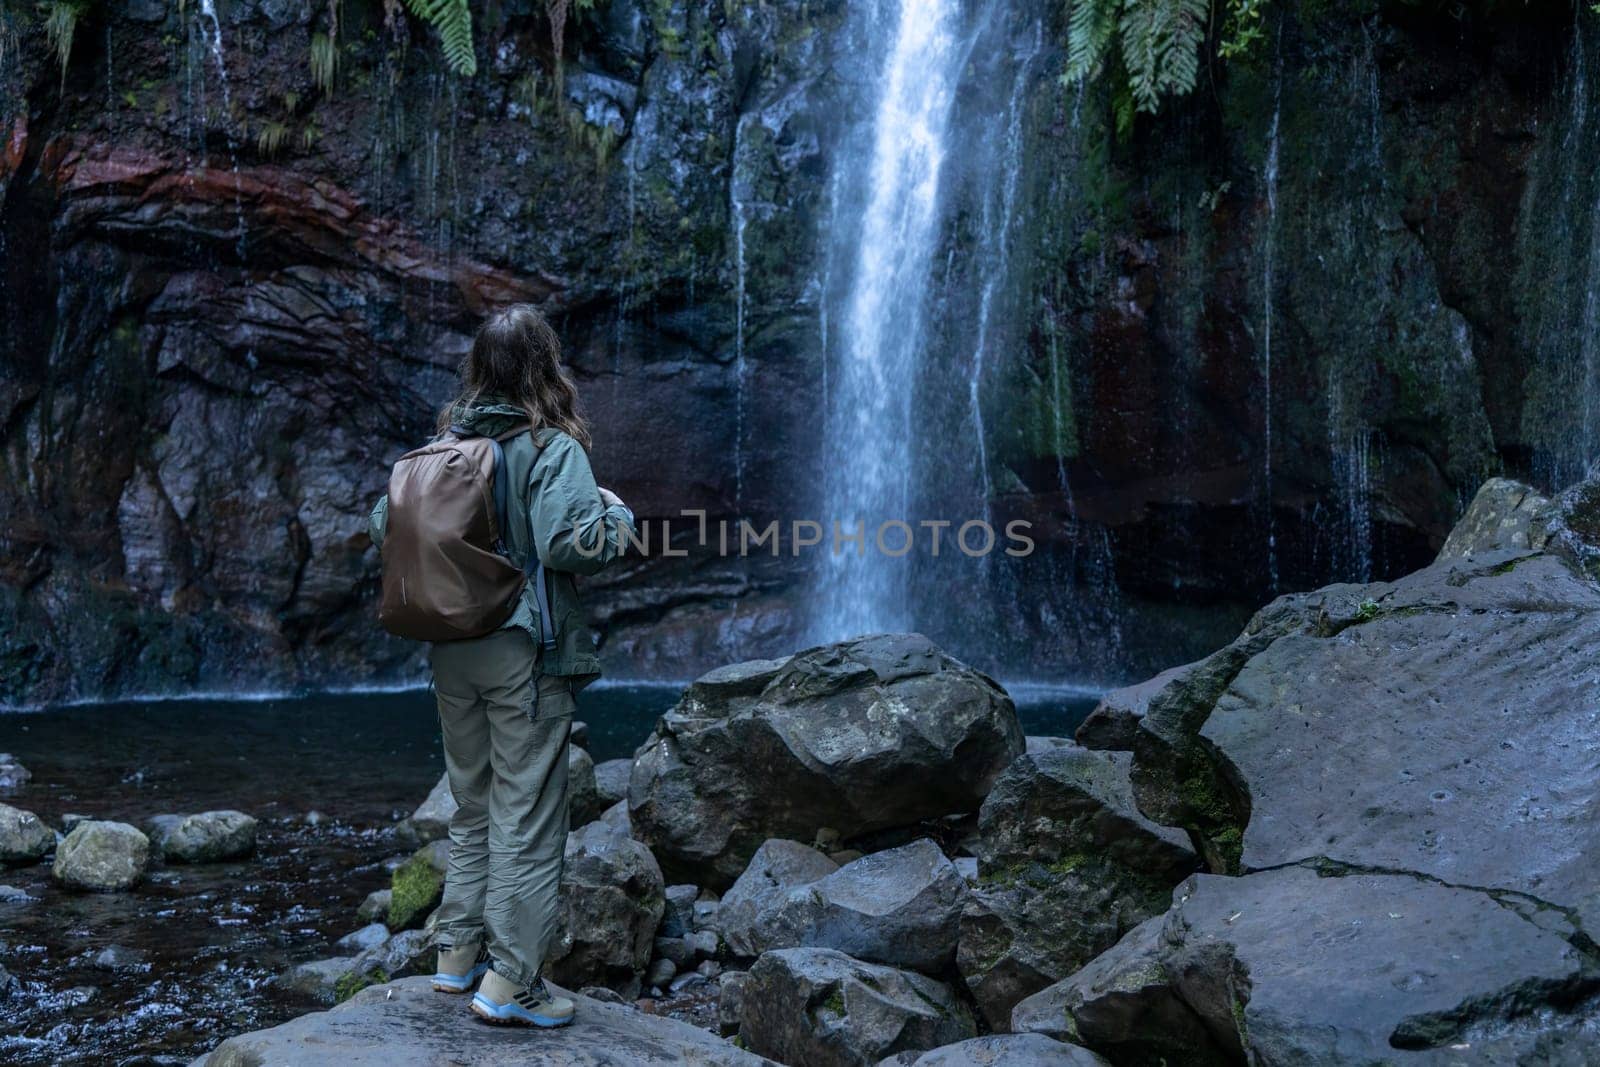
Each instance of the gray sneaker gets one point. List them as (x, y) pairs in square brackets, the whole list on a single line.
[(502, 1001)]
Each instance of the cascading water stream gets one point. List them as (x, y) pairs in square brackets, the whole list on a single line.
[(208, 12), (870, 450), (739, 208), (1269, 180), (997, 251), (1559, 256)]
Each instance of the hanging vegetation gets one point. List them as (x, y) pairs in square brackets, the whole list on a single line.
[(453, 20)]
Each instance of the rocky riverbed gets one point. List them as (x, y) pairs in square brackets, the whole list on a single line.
[(1357, 834), (215, 935)]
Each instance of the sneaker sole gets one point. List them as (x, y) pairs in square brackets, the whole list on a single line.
[(450, 983), (511, 1015)]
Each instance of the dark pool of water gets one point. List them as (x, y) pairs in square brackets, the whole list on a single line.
[(200, 945)]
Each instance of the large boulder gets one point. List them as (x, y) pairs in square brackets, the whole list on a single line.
[(777, 867), (431, 820), (878, 732), (1288, 966), (1445, 730), (207, 837), (24, 838), (901, 907), (1001, 1050), (612, 900), (820, 1007), (406, 1024), (1067, 865), (102, 856), (1435, 723)]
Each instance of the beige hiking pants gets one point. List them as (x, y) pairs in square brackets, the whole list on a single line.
[(506, 729)]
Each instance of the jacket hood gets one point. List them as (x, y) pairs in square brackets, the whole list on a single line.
[(490, 416)]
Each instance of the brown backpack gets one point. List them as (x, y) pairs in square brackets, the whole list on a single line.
[(446, 572)]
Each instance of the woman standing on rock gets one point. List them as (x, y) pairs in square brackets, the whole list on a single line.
[(491, 585)]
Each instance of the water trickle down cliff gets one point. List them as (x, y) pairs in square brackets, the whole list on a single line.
[(1559, 276)]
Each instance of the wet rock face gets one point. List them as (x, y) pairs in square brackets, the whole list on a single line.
[(102, 856), (1067, 865), (858, 736), (1395, 775), (1286, 966), (253, 340)]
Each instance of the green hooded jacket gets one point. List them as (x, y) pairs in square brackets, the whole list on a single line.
[(556, 507)]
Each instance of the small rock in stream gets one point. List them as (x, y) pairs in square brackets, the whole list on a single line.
[(376, 907), (369, 936), (120, 958), (24, 838), (13, 775), (206, 837), (102, 856)]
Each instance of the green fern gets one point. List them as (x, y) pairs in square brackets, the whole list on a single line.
[(60, 26), (324, 62), (1161, 42), (453, 20), (271, 138), (1090, 27)]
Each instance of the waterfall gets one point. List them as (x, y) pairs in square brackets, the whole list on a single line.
[(1558, 279), (870, 452), (1269, 179)]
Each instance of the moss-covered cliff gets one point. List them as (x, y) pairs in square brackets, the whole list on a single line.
[(230, 296)]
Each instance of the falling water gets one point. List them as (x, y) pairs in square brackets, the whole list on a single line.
[(1559, 256), (739, 208), (997, 252), (1270, 181), (208, 12), (870, 451)]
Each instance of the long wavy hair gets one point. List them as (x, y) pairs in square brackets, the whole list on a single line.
[(516, 356)]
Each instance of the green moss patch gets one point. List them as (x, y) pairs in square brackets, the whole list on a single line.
[(416, 889)]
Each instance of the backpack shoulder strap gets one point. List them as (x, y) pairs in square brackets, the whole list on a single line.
[(532, 567)]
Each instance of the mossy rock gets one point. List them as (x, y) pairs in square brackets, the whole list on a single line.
[(416, 887)]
